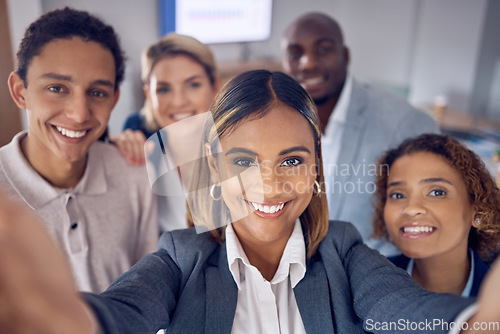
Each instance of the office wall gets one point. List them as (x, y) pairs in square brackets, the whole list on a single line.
[(486, 89), (429, 47), (10, 122), (447, 50), (21, 14)]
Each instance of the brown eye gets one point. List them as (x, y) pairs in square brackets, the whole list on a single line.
[(437, 193), (396, 195), (290, 162), (56, 89)]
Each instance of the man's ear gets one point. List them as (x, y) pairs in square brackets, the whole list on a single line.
[(117, 95), (347, 56), (17, 90)]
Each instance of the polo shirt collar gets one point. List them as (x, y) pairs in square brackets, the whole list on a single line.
[(34, 189)]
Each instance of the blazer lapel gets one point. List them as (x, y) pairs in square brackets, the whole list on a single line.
[(313, 299), (220, 307), (351, 137)]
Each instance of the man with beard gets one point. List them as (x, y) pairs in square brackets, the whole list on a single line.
[(358, 122)]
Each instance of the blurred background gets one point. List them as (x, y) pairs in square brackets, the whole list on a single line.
[(425, 51)]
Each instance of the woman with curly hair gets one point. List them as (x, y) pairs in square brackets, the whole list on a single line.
[(439, 205)]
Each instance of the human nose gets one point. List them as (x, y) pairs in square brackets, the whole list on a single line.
[(308, 61), (269, 182), (79, 111), (179, 98), (414, 206)]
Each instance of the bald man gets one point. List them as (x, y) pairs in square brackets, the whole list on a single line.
[(358, 122)]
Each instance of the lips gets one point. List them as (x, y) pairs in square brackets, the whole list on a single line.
[(181, 116), (268, 210), (312, 81), (417, 231)]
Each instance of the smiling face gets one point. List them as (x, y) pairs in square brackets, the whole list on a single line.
[(276, 169), (178, 87), (427, 213), (69, 97), (314, 55)]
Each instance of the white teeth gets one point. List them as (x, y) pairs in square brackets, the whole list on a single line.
[(71, 133), (268, 208), (178, 117), (313, 81), (418, 229)]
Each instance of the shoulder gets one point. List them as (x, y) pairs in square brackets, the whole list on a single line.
[(343, 235), (187, 247), (137, 122), (385, 106), (114, 163), (13, 147), (133, 121), (12, 160), (400, 261)]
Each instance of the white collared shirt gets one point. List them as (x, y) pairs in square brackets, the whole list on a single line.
[(332, 138), (263, 306)]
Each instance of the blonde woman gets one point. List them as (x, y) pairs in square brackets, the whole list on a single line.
[(180, 81)]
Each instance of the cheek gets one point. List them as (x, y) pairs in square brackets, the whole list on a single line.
[(299, 185), (391, 214), (232, 196)]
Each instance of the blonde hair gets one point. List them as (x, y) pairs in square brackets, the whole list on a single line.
[(249, 96), (170, 45)]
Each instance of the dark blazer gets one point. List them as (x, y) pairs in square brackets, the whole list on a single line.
[(480, 270), (186, 287)]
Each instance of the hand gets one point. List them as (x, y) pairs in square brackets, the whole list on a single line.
[(488, 303), (131, 145), (37, 293)]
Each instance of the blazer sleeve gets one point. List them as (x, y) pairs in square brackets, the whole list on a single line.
[(143, 299), (385, 295)]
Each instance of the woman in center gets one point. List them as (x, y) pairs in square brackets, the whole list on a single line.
[(261, 177)]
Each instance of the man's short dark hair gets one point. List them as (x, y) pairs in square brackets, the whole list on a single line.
[(65, 24)]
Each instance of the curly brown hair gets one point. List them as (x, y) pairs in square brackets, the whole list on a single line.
[(482, 189)]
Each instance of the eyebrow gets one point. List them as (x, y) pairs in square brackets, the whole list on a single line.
[(56, 76), (429, 180), (63, 77), (325, 39), (240, 150), (194, 77)]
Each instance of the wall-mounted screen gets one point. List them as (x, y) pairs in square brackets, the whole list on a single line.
[(217, 21)]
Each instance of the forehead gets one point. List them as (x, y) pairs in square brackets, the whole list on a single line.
[(74, 57), (179, 64), (423, 164), (311, 31), (281, 127)]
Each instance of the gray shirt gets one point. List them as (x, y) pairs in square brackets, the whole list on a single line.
[(105, 224)]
